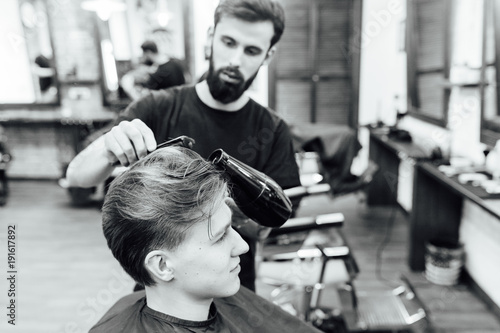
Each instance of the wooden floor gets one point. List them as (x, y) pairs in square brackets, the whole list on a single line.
[(66, 277)]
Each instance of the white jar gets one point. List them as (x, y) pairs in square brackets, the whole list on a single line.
[(493, 162)]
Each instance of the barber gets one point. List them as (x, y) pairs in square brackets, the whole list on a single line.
[(216, 112)]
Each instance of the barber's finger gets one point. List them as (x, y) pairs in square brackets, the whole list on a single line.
[(126, 153), (134, 135), (113, 160), (236, 211), (230, 202), (147, 134), (263, 233), (114, 149)]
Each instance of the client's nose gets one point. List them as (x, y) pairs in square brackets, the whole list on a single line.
[(240, 246)]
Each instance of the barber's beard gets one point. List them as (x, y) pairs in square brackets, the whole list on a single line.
[(223, 91)]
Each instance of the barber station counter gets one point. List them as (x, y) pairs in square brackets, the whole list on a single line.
[(43, 142), (438, 204), (443, 208), (392, 185), (439, 207)]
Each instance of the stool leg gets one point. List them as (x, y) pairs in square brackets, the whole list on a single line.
[(4, 189)]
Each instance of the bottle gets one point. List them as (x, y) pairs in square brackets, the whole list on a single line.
[(257, 195)]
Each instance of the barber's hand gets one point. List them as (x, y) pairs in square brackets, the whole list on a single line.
[(246, 226), (129, 141)]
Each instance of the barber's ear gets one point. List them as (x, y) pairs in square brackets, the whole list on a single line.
[(269, 55), (156, 263), (208, 45), (210, 33)]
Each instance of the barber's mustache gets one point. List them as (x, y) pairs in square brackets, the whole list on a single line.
[(233, 72)]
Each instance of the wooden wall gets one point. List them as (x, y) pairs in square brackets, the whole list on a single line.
[(312, 73)]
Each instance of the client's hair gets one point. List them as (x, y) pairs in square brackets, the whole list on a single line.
[(152, 205), (254, 11)]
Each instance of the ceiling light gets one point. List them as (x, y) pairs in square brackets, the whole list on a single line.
[(104, 8)]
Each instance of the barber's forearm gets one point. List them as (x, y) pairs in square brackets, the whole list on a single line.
[(90, 167)]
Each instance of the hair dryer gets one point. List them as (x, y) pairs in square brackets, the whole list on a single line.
[(257, 195)]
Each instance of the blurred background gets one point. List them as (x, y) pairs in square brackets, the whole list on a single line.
[(414, 80)]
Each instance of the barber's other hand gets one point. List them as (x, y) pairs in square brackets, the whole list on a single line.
[(246, 226), (129, 141)]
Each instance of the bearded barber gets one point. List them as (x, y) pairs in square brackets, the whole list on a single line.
[(216, 112)]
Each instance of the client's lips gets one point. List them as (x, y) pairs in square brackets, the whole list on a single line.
[(235, 267)]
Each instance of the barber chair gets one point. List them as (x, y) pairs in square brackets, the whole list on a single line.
[(308, 268)]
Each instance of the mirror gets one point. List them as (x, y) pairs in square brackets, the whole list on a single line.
[(490, 124), (121, 35), (454, 44), (428, 56), (27, 60)]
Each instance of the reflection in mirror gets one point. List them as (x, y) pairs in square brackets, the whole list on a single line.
[(27, 59), (491, 110), (121, 35), (466, 39), (109, 83)]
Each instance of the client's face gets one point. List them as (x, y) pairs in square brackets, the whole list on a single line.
[(207, 267)]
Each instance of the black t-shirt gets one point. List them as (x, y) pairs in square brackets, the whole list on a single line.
[(244, 312), (167, 75), (254, 135)]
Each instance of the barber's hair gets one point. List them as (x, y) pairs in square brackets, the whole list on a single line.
[(254, 11), (149, 45), (153, 204)]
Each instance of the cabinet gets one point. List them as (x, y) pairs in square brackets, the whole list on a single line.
[(389, 154), (438, 202)]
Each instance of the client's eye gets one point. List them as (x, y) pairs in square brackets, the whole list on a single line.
[(224, 235)]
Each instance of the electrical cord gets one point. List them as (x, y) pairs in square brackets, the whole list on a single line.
[(380, 249)]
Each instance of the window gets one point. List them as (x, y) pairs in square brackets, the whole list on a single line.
[(428, 44), (454, 44), (314, 74)]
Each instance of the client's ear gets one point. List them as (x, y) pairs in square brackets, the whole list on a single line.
[(156, 264)]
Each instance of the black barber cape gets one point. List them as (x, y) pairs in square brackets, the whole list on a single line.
[(241, 313)]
